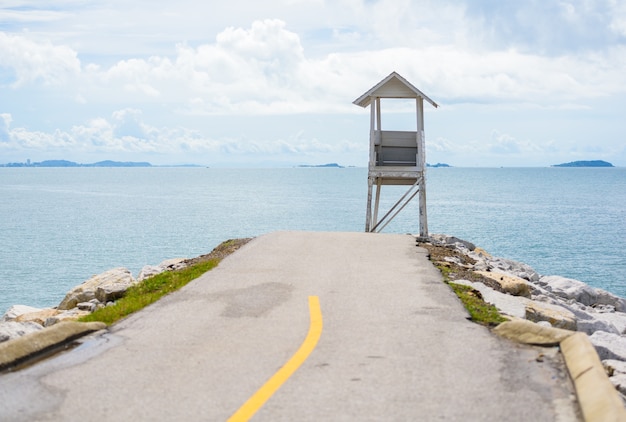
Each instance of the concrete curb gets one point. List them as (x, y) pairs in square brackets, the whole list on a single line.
[(38, 344), (527, 332), (598, 399)]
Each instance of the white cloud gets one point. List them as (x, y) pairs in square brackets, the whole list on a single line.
[(5, 122), (126, 133), (38, 62), (263, 69), (618, 17), (170, 70)]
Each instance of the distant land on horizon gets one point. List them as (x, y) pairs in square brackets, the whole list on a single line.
[(111, 163), (105, 163), (592, 163), (335, 165)]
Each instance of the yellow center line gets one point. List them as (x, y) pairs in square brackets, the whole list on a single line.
[(263, 394)]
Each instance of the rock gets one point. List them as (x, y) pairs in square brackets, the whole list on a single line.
[(609, 346), (615, 319), (49, 322), (510, 284), (149, 271), (443, 239), (589, 321), (453, 260), (481, 253), (16, 310), (557, 316), (71, 315), (614, 367), (173, 264), (110, 285), (619, 382), (506, 304), (528, 332), (514, 268), (592, 325), (87, 306), (568, 288), (606, 299), (12, 329), (168, 265), (39, 316)]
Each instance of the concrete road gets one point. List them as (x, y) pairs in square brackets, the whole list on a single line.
[(395, 346)]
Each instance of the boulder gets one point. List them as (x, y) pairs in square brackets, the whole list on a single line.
[(39, 316), (609, 346), (590, 326), (510, 284), (148, 271), (557, 316), (16, 310), (514, 268), (589, 321), (616, 319), (168, 265), (87, 306), (108, 286), (69, 315), (609, 299), (444, 239), (13, 329), (568, 288), (173, 264)]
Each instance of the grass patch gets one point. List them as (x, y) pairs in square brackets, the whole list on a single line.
[(152, 289), (480, 311), (149, 291)]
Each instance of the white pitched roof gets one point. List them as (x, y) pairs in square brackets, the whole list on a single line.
[(393, 86)]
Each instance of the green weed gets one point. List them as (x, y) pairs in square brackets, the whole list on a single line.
[(149, 291), (480, 311)]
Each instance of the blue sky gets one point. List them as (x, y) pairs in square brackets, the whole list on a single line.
[(519, 83)]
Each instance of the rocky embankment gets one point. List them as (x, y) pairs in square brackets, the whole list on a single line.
[(98, 291), (518, 291)]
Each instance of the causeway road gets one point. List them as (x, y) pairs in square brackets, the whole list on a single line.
[(299, 326)]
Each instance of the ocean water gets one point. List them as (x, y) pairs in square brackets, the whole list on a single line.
[(59, 226)]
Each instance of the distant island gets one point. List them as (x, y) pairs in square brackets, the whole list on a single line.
[(334, 165), (592, 163), (438, 165), (66, 163)]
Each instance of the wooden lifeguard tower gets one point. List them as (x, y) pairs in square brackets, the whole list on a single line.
[(396, 157)]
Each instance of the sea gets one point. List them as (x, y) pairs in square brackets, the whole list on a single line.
[(60, 226)]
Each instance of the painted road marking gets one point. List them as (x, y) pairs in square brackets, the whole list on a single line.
[(263, 394)]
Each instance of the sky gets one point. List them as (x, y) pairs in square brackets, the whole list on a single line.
[(271, 83)]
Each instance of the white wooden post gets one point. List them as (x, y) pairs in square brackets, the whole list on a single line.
[(368, 216), (372, 133), (421, 163)]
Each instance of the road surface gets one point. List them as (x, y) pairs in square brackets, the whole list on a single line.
[(363, 321)]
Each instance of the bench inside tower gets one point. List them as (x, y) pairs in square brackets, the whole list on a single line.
[(396, 148)]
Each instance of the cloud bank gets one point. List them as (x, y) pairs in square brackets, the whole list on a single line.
[(169, 92)]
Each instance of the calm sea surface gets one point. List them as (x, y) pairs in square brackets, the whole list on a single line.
[(60, 226)]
